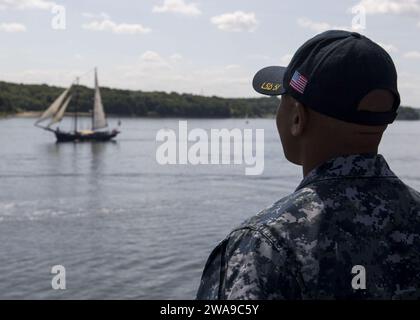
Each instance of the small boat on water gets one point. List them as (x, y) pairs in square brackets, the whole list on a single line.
[(56, 111)]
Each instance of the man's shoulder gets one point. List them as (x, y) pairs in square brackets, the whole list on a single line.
[(292, 204), (300, 212), (412, 193), (297, 210)]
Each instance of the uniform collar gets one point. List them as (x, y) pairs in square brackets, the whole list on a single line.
[(349, 166)]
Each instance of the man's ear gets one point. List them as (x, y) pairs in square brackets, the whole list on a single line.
[(299, 118)]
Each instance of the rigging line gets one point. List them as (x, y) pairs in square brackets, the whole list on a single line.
[(87, 72), (83, 75)]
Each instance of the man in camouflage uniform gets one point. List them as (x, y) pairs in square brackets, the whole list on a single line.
[(350, 217)]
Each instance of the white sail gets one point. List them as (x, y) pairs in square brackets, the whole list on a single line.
[(60, 114), (54, 107), (99, 120)]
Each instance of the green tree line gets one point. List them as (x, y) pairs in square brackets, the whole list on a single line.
[(24, 97)]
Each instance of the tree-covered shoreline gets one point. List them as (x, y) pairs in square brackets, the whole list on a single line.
[(17, 98)]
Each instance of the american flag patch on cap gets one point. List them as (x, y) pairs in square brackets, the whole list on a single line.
[(298, 82)]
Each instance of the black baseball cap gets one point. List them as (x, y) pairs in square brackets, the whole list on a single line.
[(331, 73)]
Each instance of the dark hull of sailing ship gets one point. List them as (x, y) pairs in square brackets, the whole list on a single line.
[(58, 108), (81, 136)]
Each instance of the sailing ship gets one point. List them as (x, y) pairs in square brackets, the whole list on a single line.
[(56, 111)]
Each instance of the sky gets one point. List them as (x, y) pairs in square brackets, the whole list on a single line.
[(208, 47)]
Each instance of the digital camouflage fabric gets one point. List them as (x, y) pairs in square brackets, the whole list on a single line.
[(350, 211)]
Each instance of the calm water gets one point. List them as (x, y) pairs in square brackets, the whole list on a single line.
[(124, 226)]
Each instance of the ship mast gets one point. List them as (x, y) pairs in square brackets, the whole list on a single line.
[(76, 104)]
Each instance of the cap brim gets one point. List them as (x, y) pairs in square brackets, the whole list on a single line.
[(269, 81)]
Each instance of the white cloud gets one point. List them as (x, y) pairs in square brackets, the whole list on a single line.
[(178, 6), (406, 7), (12, 27), (318, 26), (236, 21), (232, 66), (151, 61), (151, 56), (102, 15), (27, 4), (412, 55), (121, 28), (176, 57)]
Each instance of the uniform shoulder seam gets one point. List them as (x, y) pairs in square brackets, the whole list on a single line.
[(263, 232), (305, 185)]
